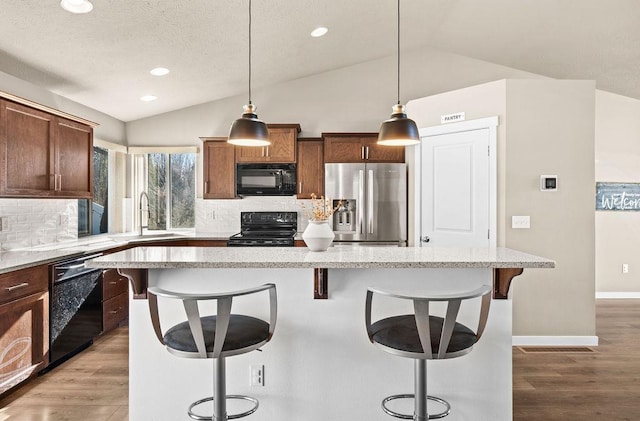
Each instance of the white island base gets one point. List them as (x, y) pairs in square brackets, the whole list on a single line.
[(320, 365)]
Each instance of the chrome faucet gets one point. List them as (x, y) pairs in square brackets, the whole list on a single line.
[(142, 210)]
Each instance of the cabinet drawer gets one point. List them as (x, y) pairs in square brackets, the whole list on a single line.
[(114, 310), (113, 284), (23, 282)]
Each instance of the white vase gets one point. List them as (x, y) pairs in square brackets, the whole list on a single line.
[(318, 235)]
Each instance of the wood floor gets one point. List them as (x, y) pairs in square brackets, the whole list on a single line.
[(93, 385), (604, 384), (546, 386)]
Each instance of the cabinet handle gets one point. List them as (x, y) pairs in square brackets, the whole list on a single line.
[(206, 187), (267, 151), (362, 152), (113, 282), (262, 151), (114, 311), (14, 287), (60, 183), (367, 158), (300, 188)]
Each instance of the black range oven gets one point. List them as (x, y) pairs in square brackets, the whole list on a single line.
[(265, 229)]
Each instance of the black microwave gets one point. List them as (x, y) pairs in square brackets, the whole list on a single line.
[(266, 179)]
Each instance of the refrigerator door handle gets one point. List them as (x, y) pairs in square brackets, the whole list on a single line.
[(370, 200), (360, 208)]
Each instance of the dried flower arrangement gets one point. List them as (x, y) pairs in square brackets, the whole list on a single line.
[(319, 209)]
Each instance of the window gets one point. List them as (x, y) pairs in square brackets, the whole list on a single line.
[(93, 214), (171, 189)]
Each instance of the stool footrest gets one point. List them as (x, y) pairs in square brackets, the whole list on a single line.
[(411, 417), (229, 417)]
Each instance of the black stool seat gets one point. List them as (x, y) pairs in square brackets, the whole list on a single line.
[(243, 331), (401, 333)]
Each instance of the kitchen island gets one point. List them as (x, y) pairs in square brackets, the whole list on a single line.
[(320, 364)]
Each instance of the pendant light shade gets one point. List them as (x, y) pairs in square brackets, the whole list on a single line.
[(398, 130), (248, 130)]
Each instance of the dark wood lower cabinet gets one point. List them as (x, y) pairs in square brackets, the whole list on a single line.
[(115, 300), (24, 339)]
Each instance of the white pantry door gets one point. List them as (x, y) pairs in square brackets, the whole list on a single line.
[(458, 184)]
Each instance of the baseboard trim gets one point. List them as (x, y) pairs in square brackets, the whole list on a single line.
[(554, 340), (617, 295)]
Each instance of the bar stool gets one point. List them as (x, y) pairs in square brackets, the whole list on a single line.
[(216, 336), (423, 337)]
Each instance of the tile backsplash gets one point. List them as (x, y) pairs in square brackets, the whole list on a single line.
[(224, 215), (33, 222)]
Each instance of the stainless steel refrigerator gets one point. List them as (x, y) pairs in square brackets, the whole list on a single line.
[(374, 203)]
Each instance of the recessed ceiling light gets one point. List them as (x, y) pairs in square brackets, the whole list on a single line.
[(159, 71), (319, 31), (148, 98), (76, 6)]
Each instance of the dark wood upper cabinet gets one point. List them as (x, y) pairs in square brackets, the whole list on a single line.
[(74, 159), (282, 149), (44, 153), (26, 150), (359, 147), (219, 168), (310, 167)]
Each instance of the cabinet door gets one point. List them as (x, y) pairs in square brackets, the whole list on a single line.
[(26, 145), (281, 150), (74, 159), (283, 145), (249, 154), (380, 153), (310, 168), (219, 170), (339, 149), (24, 338)]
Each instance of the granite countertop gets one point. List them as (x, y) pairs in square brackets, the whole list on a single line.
[(334, 258), (28, 257)]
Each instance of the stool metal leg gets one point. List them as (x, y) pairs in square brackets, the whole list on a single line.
[(420, 390), (420, 398), (219, 390), (220, 397)]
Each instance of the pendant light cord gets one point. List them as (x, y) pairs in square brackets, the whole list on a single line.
[(249, 52), (398, 52)]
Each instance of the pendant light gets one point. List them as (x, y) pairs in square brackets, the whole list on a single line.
[(248, 130), (398, 130)]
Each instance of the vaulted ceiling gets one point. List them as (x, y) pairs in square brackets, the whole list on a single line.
[(102, 59)]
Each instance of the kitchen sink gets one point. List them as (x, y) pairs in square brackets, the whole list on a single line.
[(136, 236)]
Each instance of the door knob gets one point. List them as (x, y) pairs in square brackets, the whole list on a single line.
[(426, 239)]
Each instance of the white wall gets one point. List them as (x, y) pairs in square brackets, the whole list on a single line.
[(109, 129), (545, 127), (617, 153)]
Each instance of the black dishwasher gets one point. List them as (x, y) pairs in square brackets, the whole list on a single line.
[(75, 315)]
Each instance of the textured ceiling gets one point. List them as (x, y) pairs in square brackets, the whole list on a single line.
[(102, 59)]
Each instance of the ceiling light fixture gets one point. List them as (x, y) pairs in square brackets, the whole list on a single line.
[(159, 71), (319, 31), (148, 98), (76, 6), (398, 130), (248, 130)]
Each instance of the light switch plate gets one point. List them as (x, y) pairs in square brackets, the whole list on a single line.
[(521, 222)]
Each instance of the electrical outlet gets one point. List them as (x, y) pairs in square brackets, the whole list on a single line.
[(521, 222), (211, 215), (625, 268), (5, 223), (256, 375)]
